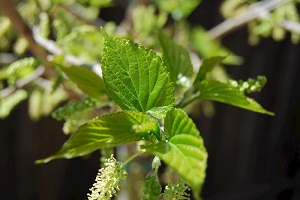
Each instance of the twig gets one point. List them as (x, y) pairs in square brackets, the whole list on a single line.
[(291, 26), (54, 49), (253, 12)]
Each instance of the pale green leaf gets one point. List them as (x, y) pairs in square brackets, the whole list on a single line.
[(84, 42), (152, 188), (178, 8), (146, 20), (88, 81), (208, 48), (107, 131), (135, 77), (207, 65), (160, 112), (178, 122), (8, 103), (225, 93), (35, 104), (176, 58), (187, 155)]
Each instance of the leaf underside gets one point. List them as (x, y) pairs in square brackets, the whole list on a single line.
[(88, 81), (107, 131), (225, 93), (186, 154)]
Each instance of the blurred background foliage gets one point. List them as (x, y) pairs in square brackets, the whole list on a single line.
[(251, 156)]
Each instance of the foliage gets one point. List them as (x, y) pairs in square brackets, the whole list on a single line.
[(139, 93), (152, 189), (275, 24)]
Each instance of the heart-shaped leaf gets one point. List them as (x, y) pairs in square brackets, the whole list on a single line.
[(135, 77)]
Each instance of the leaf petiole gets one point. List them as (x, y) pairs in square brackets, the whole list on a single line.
[(132, 157)]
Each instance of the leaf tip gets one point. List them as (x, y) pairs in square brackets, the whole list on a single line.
[(270, 113), (103, 32), (43, 161)]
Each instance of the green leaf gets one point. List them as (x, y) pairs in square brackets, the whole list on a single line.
[(8, 103), (135, 77), (146, 20), (208, 65), (187, 155), (176, 58), (177, 122), (208, 48), (107, 131), (88, 81), (69, 110), (152, 188), (179, 8), (225, 93), (84, 42), (160, 112)]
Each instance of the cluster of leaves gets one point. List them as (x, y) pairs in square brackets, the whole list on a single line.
[(75, 113), (42, 99), (72, 32), (72, 26), (137, 79), (140, 93), (152, 190), (273, 24)]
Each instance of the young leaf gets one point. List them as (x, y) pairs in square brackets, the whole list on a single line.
[(225, 93), (207, 66), (8, 103), (176, 58), (152, 188), (177, 122), (187, 155), (89, 82), (160, 112), (146, 20), (135, 77), (107, 131), (84, 42)]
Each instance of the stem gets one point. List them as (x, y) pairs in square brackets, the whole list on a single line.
[(290, 26), (156, 170), (253, 12), (189, 101), (132, 157)]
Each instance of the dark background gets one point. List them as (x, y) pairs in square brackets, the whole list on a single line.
[(251, 156)]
